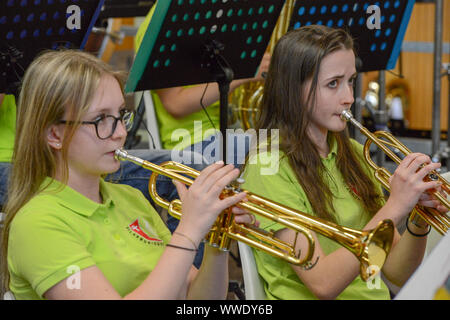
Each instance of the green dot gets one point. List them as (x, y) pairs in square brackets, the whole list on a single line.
[(265, 24), (197, 16), (224, 28), (230, 13), (208, 14), (191, 31), (249, 40), (255, 25), (186, 17), (156, 64), (234, 27), (162, 48), (180, 32), (271, 8), (203, 1), (191, 1), (253, 54), (167, 63), (250, 11), (180, 2), (174, 18), (168, 33), (240, 12), (259, 39), (213, 29), (214, 1), (244, 26), (243, 54), (202, 30), (173, 47), (261, 10)]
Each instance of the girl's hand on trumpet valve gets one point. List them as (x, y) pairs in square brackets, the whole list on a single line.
[(408, 187), (201, 203)]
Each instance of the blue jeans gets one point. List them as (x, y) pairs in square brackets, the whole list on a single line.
[(238, 145), (5, 167), (138, 177)]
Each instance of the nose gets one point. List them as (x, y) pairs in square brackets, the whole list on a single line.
[(347, 95), (120, 131)]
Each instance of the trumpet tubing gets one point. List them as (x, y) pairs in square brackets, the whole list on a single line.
[(384, 140), (370, 247)]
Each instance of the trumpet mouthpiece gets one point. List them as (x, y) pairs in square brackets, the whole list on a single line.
[(346, 115), (120, 154)]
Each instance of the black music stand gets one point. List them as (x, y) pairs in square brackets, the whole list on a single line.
[(378, 49), (29, 26), (198, 41)]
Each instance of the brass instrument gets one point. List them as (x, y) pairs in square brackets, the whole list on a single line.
[(370, 247), (383, 139), (245, 100)]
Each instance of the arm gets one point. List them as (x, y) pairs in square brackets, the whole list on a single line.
[(334, 272), (180, 101), (170, 280)]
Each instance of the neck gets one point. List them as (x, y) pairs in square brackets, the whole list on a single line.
[(87, 185), (319, 138)]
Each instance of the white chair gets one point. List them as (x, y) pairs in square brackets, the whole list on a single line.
[(254, 288)]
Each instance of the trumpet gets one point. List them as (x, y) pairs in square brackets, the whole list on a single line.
[(370, 247), (383, 140)]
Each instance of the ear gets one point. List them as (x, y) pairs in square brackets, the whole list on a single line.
[(55, 134)]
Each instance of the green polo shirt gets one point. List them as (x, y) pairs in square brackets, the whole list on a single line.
[(7, 127), (60, 231), (182, 132), (280, 280)]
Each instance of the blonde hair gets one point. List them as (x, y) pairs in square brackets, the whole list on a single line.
[(56, 84)]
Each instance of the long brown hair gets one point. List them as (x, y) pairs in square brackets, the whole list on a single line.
[(296, 60), (56, 83)]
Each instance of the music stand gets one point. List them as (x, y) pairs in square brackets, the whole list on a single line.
[(29, 26), (378, 49), (198, 41)]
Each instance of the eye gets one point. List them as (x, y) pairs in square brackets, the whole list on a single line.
[(332, 84), (100, 118), (352, 81)]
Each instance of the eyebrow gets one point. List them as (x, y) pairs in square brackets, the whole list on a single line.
[(106, 109), (340, 76)]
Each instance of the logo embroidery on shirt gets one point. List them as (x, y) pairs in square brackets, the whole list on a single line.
[(148, 235)]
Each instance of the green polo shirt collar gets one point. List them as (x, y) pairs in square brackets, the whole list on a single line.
[(75, 201), (333, 148)]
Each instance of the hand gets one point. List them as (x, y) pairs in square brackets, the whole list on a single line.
[(263, 67), (201, 203), (407, 183), (427, 199)]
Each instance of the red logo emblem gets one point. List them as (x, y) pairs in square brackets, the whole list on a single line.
[(136, 228)]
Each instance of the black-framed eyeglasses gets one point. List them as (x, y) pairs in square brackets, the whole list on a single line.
[(105, 125)]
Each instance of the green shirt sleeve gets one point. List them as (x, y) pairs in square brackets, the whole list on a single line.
[(41, 259)]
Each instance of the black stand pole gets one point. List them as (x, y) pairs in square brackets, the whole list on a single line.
[(223, 75)]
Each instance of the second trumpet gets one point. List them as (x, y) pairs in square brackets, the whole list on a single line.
[(370, 247)]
